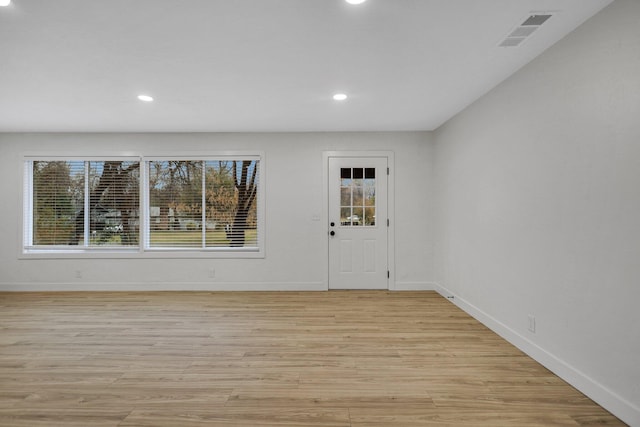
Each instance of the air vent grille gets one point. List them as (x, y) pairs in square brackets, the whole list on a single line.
[(511, 41), (521, 32), (536, 20)]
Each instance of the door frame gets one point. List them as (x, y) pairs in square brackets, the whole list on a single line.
[(389, 155)]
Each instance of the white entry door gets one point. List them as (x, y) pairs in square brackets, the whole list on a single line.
[(358, 224)]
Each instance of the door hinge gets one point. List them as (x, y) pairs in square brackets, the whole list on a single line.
[(387, 171), (387, 222), (388, 274)]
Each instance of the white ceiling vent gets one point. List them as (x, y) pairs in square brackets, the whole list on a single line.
[(511, 41), (521, 32), (536, 20)]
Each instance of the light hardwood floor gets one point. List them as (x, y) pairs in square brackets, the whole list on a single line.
[(346, 358)]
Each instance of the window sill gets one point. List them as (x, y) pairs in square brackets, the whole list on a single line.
[(155, 253)]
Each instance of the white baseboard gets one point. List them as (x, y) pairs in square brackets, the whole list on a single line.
[(189, 286), (163, 286), (618, 406), (414, 286)]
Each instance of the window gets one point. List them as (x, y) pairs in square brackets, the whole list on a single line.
[(143, 205), (83, 204), (207, 204)]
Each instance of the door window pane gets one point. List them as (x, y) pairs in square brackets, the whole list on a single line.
[(370, 195), (345, 216), (357, 216), (369, 216), (345, 196), (357, 196)]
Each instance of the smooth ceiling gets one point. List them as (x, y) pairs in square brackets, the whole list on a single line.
[(260, 65)]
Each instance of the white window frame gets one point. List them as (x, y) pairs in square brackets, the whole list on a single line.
[(259, 203), (143, 250)]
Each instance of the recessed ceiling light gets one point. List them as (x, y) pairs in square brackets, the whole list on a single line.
[(340, 96), (5, 2), (355, 1), (145, 98)]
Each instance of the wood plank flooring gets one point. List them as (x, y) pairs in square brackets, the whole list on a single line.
[(349, 358)]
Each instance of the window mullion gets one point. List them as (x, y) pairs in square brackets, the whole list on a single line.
[(143, 206), (30, 216), (204, 205), (87, 204)]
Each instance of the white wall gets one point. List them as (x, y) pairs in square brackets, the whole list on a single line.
[(538, 208), (295, 257)]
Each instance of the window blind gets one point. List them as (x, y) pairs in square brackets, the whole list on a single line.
[(113, 203), (58, 199), (82, 203), (204, 204)]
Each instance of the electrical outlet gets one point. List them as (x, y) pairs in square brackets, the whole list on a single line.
[(212, 273), (78, 274), (532, 323)]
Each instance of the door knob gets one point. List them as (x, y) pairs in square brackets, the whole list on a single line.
[(332, 233)]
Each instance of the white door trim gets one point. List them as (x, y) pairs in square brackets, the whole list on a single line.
[(390, 208)]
